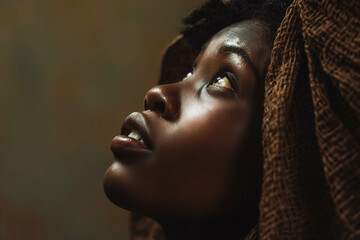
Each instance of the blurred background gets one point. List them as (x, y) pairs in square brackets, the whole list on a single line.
[(70, 72)]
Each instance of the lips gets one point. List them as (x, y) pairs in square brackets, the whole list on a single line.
[(136, 122), (134, 138)]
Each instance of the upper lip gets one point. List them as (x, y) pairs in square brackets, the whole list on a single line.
[(136, 121)]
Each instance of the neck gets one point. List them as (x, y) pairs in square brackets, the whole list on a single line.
[(221, 228)]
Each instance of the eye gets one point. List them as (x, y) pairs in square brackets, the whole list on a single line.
[(189, 74), (226, 80)]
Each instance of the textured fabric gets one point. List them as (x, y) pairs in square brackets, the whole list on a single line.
[(311, 127)]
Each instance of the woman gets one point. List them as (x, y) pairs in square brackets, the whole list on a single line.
[(192, 160)]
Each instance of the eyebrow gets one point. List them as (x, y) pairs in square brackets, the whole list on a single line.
[(241, 52)]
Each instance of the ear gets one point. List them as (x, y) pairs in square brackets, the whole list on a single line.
[(177, 60)]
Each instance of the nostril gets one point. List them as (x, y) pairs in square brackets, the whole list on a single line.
[(160, 107), (146, 106), (164, 100), (155, 103)]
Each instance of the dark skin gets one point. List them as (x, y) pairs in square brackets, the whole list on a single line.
[(198, 162)]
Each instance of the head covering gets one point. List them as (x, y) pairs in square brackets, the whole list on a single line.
[(311, 125)]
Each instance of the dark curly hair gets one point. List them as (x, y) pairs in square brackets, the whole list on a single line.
[(199, 26), (214, 15)]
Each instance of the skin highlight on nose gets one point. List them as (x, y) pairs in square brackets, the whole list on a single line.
[(200, 130)]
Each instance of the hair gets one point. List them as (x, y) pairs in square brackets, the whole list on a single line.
[(214, 15), (199, 26)]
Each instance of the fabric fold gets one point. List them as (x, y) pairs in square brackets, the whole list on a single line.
[(311, 126)]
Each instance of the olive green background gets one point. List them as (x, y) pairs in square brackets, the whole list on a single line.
[(70, 72)]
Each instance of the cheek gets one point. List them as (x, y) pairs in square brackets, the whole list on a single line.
[(200, 154), (214, 130)]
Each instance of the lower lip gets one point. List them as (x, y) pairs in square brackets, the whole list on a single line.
[(125, 147)]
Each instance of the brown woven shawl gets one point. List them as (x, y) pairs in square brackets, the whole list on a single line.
[(311, 127)]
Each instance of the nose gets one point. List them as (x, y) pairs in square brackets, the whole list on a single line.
[(164, 100)]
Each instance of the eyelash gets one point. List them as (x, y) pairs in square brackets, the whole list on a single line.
[(229, 75), (189, 74)]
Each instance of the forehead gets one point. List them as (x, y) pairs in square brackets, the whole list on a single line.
[(247, 30), (244, 33), (252, 35)]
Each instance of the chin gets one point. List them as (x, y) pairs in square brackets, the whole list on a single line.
[(122, 192), (113, 188)]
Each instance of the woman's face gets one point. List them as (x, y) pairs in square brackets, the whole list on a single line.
[(199, 151)]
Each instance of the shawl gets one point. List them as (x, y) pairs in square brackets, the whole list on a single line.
[(311, 125)]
